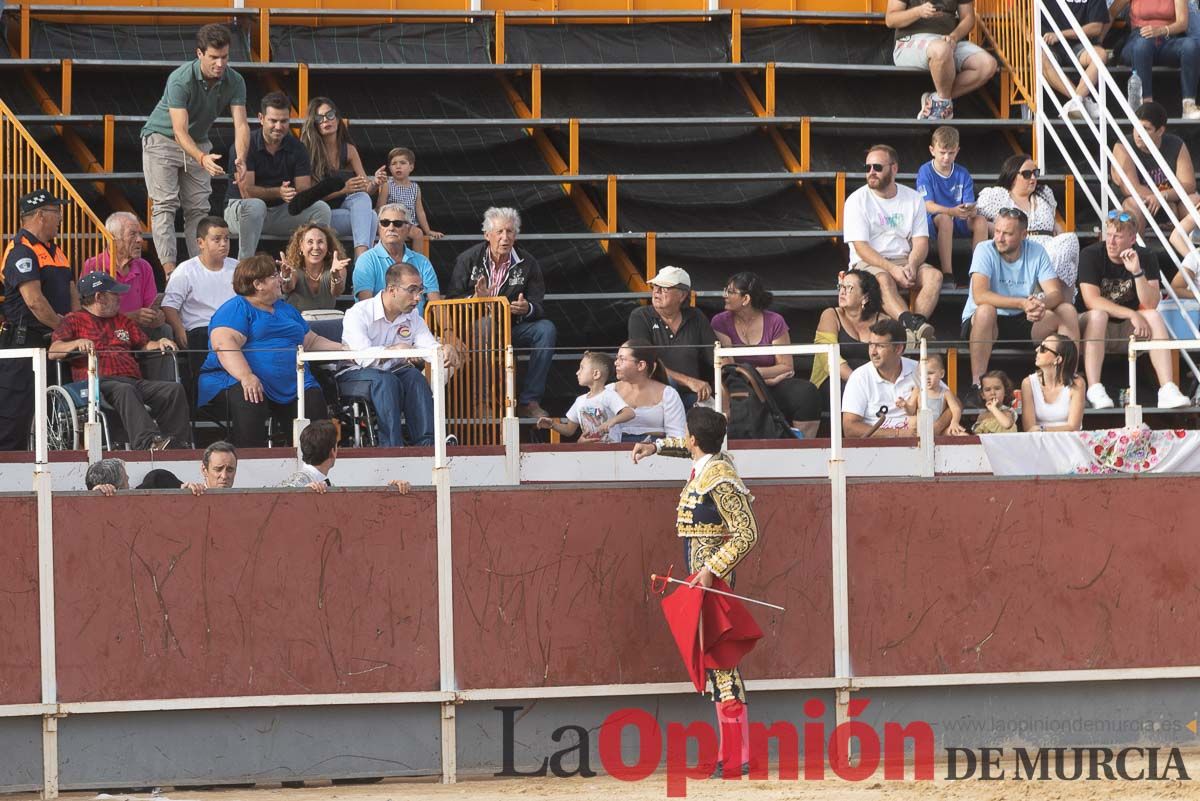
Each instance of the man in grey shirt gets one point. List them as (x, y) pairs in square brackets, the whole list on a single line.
[(177, 157)]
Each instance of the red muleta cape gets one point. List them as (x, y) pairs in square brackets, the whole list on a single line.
[(729, 630)]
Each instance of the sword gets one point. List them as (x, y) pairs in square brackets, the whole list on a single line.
[(654, 577)]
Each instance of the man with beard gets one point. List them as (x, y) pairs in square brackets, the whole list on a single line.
[(277, 170), (1015, 295), (887, 230)]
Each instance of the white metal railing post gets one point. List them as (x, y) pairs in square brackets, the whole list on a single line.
[(719, 389), (510, 426), (445, 572), (43, 487), (301, 421), (925, 416), (838, 533), (92, 436), (1133, 409), (1039, 87)]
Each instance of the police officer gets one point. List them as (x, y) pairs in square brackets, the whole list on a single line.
[(38, 290)]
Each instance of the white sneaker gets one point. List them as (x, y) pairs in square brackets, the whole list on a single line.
[(1169, 397), (1073, 109), (1092, 109), (1098, 397), (1190, 112)]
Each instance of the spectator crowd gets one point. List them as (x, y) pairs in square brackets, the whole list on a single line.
[(352, 232)]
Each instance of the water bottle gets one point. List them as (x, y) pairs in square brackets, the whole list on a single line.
[(1134, 91)]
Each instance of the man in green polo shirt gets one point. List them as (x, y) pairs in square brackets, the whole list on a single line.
[(176, 152)]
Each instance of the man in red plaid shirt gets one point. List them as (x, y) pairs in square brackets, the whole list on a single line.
[(100, 327)]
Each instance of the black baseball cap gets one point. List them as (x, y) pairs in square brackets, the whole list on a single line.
[(92, 283), (33, 201)]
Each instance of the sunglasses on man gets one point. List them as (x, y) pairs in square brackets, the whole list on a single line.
[(875, 167), (395, 223)]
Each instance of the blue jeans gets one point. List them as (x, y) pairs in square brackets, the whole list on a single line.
[(356, 218), (1177, 51), (540, 335), (392, 393)]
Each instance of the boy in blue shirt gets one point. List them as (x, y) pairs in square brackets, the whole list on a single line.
[(949, 196)]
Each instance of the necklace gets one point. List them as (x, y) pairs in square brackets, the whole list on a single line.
[(312, 277), (743, 331)]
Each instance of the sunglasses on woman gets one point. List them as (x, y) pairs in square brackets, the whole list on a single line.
[(1029, 174), (1044, 349), (327, 116)]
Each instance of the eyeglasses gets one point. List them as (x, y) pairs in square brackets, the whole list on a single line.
[(1013, 214), (396, 223), (1120, 216), (413, 289), (1029, 174), (848, 287), (327, 116), (874, 167), (1044, 349)]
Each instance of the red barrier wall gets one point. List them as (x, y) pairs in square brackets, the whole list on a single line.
[(999, 575), (552, 585), (256, 593), (20, 649)]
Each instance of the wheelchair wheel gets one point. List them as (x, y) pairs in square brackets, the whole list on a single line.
[(62, 420)]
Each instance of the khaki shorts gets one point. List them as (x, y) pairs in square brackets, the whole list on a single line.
[(1116, 336), (910, 51), (878, 271)]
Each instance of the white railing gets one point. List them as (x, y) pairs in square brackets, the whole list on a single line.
[(1133, 410), (441, 482), (437, 384), (1098, 143)]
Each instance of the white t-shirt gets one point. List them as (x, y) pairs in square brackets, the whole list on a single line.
[(589, 413), (886, 224), (196, 291), (866, 391)]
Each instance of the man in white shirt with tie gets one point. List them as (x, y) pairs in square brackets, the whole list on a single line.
[(388, 323)]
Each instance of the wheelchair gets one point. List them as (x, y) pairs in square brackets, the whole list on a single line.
[(355, 413), (67, 407)]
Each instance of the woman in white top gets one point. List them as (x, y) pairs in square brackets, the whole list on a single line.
[(1018, 188), (1052, 398), (657, 409)]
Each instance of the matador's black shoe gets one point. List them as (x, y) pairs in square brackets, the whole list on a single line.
[(732, 773)]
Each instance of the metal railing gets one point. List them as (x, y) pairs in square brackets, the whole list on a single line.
[(1009, 26), (26, 167), (480, 394), (1091, 138)]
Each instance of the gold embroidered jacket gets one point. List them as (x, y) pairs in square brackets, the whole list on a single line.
[(715, 506)]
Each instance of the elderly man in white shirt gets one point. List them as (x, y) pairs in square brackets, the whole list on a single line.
[(387, 323), (881, 383)]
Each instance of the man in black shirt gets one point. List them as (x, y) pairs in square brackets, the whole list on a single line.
[(278, 172), (681, 333), (1119, 284), (39, 288)]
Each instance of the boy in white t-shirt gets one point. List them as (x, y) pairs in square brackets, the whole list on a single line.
[(597, 412)]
